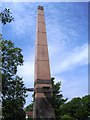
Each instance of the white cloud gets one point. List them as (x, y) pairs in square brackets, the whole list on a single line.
[(27, 70), (71, 59), (24, 17), (73, 89), (77, 57)]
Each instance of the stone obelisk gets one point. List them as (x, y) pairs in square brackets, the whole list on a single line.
[(42, 82)]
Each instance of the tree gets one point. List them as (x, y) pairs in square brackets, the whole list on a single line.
[(86, 102), (66, 117), (58, 99), (6, 16), (78, 108), (14, 101), (84, 111), (13, 89), (71, 107), (29, 107)]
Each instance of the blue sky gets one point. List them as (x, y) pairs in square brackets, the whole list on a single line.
[(67, 35)]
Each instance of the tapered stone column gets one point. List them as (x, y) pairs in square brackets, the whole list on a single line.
[(42, 82)]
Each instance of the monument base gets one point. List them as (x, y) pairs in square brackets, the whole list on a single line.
[(43, 109)]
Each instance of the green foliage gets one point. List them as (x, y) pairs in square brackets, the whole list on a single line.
[(13, 89), (66, 117), (73, 105), (11, 58), (58, 99), (29, 107), (11, 110), (29, 118), (6, 16), (78, 108)]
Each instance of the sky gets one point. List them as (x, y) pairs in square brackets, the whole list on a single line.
[(67, 35), (44, 0)]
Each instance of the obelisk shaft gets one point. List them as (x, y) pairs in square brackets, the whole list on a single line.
[(42, 80)]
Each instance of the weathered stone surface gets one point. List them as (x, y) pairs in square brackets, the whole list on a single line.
[(43, 108), (42, 79)]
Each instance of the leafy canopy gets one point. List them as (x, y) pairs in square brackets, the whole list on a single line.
[(6, 16), (13, 89), (78, 108)]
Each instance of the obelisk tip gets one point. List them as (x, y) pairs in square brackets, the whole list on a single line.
[(40, 8)]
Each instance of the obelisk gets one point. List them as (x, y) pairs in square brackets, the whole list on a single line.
[(43, 109)]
